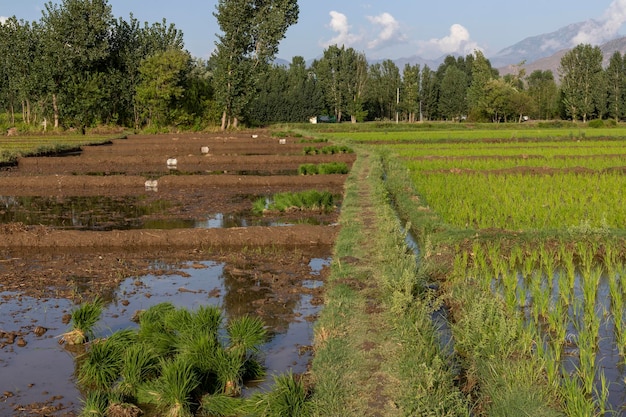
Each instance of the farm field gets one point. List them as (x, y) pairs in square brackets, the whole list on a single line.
[(116, 221), (539, 222)]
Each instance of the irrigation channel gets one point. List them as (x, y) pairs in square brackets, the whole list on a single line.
[(90, 224)]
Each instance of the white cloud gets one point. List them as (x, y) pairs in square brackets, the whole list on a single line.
[(457, 42), (339, 24), (389, 33), (3, 19), (605, 28)]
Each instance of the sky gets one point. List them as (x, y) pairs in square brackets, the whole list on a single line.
[(381, 29)]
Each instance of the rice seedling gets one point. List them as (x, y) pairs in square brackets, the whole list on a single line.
[(305, 200), (95, 404), (229, 368), (220, 405), (323, 169), (84, 318), (139, 364), (288, 397), (172, 391), (101, 365), (245, 334)]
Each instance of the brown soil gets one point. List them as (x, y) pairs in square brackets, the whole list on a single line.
[(44, 262)]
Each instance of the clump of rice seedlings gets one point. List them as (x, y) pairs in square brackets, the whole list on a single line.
[(172, 391), (288, 397), (305, 200), (139, 363), (95, 404), (245, 334), (323, 169), (153, 330), (101, 364), (221, 405), (84, 318)]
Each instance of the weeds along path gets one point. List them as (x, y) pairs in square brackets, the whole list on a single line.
[(376, 350)]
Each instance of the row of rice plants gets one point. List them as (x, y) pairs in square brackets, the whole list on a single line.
[(459, 133), (548, 149), (482, 163), (519, 201), (323, 169), (576, 312)]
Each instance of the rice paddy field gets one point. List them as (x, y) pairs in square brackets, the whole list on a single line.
[(533, 219)]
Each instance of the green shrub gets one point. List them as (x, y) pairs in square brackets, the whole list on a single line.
[(596, 124)]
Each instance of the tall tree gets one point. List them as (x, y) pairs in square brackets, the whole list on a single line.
[(476, 94), (428, 94), (384, 81), (409, 101), (162, 83), (616, 83), (77, 46), (251, 33), (582, 81), (342, 75), (452, 104), (543, 92)]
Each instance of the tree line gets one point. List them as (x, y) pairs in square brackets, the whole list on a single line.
[(79, 67)]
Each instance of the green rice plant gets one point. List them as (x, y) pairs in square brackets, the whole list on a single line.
[(220, 405), (139, 364), (586, 369), (288, 397), (153, 330), (172, 391), (229, 368), (199, 350), (323, 169), (95, 404), (101, 365), (304, 200), (245, 334), (84, 318), (308, 169), (590, 281), (575, 401)]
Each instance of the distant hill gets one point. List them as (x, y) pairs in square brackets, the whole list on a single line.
[(553, 61)]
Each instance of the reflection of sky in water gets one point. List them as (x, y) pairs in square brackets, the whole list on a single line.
[(50, 367)]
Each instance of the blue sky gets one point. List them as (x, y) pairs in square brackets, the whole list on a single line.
[(381, 29)]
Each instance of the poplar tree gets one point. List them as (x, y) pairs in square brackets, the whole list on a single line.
[(582, 81), (251, 33), (616, 80)]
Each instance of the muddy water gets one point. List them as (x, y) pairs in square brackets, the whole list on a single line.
[(120, 213), (42, 371)]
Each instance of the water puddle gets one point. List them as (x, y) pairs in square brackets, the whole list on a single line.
[(42, 370)]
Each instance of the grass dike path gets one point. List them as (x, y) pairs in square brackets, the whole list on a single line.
[(377, 351)]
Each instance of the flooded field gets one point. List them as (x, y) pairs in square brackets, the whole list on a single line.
[(192, 240)]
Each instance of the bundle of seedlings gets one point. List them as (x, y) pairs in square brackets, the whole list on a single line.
[(178, 363), (304, 200), (83, 321)]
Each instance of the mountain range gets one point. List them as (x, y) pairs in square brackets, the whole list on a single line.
[(541, 52)]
